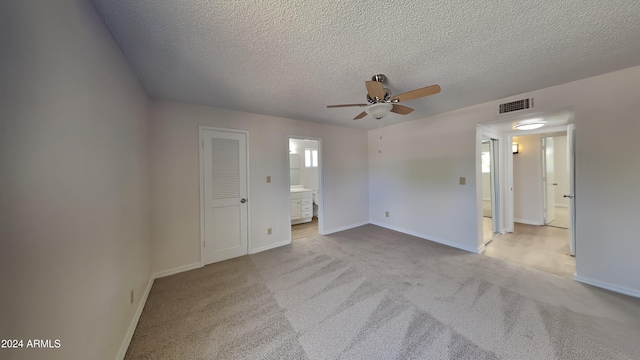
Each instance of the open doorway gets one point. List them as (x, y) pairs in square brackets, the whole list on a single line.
[(542, 230), (305, 183), (537, 191), (490, 189), (555, 177)]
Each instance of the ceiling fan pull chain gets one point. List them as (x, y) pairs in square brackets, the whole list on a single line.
[(379, 137)]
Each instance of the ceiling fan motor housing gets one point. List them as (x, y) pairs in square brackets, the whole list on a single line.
[(387, 96)]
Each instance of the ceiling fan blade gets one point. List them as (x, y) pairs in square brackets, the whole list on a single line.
[(375, 89), (418, 93), (360, 116), (401, 109), (345, 105)]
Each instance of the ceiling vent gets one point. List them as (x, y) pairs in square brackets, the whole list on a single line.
[(515, 106)]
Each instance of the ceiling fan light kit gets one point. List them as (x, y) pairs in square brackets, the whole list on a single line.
[(381, 102), (379, 110)]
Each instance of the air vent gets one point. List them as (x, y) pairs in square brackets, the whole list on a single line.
[(514, 106)]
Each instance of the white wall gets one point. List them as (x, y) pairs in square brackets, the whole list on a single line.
[(175, 184), (416, 176), (528, 194), (74, 211), (309, 176), (561, 171)]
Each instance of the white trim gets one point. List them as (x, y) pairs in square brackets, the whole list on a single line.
[(429, 238), (481, 249), (268, 247), (134, 322), (343, 228), (560, 205), (607, 286), (201, 175), (528, 222), (176, 270), (501, 194)]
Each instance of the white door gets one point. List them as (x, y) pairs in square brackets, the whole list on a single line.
[(224, 157), (549, 180), (572, 182)]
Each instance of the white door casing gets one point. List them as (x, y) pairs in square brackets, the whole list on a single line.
[(571, 162), (224, 200)]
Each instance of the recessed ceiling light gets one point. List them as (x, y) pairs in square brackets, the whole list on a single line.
[(530, 124)]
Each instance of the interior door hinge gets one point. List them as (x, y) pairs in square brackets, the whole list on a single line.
[(204, 244), (202, 144)]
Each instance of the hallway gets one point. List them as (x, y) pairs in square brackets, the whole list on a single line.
[(545, 248)]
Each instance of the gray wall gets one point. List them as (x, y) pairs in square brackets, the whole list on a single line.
[(74, 170)]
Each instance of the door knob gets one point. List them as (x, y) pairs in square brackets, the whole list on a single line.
[(568, 196), (243, 201)]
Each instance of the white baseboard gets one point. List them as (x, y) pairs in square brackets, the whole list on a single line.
[(143, 300), (427, 237), (528, 222), (343, 228), (481, 249), (607, 286), (134, 322), (272, 246), (176, 270)]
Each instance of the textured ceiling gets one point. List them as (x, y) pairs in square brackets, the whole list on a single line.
[(291, 58)]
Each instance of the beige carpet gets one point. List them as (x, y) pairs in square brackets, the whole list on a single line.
[(371, 293)]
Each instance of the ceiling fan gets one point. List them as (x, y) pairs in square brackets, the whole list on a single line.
[(381, 102)]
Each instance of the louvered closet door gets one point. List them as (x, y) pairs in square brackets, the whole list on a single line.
[(225, 195)]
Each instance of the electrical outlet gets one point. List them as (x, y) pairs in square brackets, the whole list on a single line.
[(268, 179), (463, 180), (131, 296), (269, 231), (386, 213)]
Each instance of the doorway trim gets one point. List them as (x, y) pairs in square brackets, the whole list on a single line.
[(201, 177), (320, 181), (483, 131)]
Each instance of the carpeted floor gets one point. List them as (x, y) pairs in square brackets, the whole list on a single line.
[(372, 293)]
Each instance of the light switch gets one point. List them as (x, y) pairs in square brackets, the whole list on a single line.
[(463, 180), (268, 179)]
